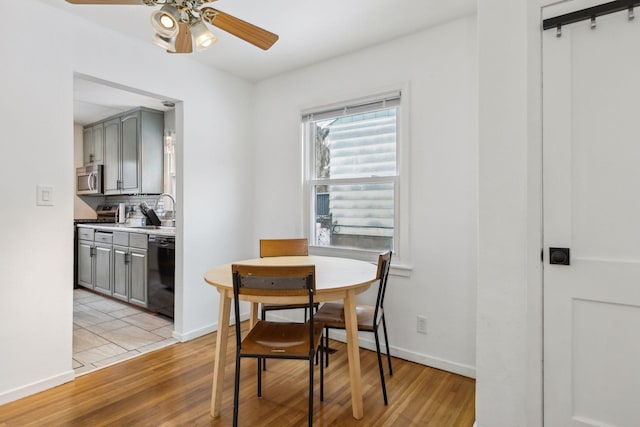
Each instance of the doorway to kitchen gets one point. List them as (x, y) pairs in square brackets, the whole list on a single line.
[(131, 136)]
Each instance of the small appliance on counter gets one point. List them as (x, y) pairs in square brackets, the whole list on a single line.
[(107, 213), (122, 213)]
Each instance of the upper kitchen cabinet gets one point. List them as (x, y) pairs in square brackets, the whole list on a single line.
[(93, 145), (112, 139), (133, 152)]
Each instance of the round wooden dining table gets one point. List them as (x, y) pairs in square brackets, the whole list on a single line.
[(336, 279)]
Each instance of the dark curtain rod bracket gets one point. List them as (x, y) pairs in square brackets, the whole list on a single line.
[(590, 13)]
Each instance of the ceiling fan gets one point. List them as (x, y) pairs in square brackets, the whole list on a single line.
[(181, 23)]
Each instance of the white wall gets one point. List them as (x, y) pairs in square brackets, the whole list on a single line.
[(36, 272), (439, 66), (509, 334)]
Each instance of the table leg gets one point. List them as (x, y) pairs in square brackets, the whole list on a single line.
[(353, 351), (253, 315), (221, 352)]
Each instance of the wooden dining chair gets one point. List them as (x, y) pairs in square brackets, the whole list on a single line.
[(277, 340), (283, 247), (369, 318)]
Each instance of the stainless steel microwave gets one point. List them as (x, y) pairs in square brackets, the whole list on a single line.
[(89, 180)]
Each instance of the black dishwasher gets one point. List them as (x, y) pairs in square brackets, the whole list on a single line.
[(161, 268)]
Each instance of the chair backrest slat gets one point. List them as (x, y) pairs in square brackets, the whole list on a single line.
[(274, 280), (283, 247), (384, 265)]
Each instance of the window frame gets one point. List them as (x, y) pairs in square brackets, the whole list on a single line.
[(400, 181)]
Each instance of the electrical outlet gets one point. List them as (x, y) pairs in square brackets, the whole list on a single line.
[(421, 326)]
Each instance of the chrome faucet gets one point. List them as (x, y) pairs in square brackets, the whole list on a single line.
[(173, 200)]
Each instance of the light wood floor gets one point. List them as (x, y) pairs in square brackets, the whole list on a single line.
[(172, 387)]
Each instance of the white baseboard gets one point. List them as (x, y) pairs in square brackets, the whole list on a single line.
[(196, 333), (366, 340), (369, 343), (36, 387)]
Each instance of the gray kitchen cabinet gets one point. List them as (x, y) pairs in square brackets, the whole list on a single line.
[(103, 265), (138, 269), (130, 268), (85, 263), (134, 154), (93, 144), (111, 172), (95, 260), (130, 160), (120, 273)]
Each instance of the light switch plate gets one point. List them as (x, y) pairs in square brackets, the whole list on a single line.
[(44, 195)]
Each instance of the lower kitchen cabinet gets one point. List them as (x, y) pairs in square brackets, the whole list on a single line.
[(95, 260), (138, 267), (114, 263), (130, 268), (121, 272), (85, 263), (103, 260)]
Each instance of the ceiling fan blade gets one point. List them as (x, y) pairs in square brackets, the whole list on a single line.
[(183, 40), (239, 28), (105, 1)]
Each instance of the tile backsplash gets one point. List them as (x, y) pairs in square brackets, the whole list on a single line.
[(134, 214), (165, 208)]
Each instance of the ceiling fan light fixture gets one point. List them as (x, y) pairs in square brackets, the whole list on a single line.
[(203, 38), (165, 20), (179, 24), (168, 43)]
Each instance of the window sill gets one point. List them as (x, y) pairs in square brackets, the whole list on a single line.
[(402, 270)]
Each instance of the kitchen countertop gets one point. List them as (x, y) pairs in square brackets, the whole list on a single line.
[(156, 230)]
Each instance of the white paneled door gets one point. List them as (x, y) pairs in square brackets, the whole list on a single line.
[(591, 172)]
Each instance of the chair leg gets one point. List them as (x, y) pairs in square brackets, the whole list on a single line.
[(384, 387), (386, 342), (263, 315), (310, 391), (260, 360), (326, 346), (236, 392), (321, 350)]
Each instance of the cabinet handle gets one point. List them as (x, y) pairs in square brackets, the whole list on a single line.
[(127, 258), (92, 251), (91, 156)]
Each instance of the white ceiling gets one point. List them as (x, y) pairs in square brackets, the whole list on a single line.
[(310, 31), (94, 100)]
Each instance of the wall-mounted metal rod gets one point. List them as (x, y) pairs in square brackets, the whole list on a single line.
[(589, 13)]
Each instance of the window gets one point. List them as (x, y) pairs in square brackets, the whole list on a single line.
[(352, 175)]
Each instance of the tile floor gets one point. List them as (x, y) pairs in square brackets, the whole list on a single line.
[(107, 331)]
